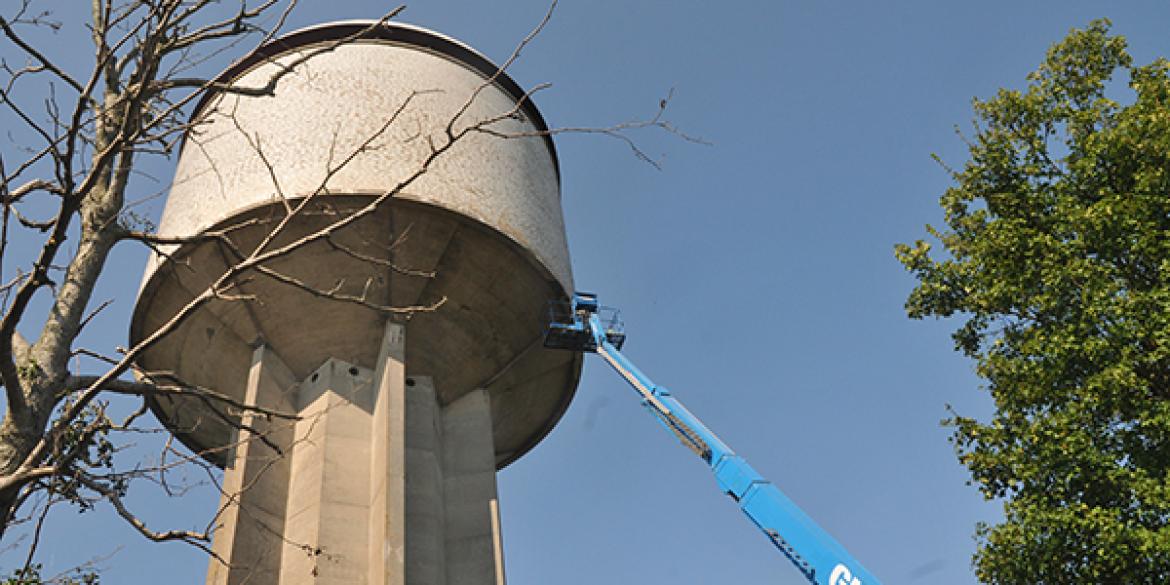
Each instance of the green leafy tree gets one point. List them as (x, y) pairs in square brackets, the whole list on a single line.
[(1057, 261)]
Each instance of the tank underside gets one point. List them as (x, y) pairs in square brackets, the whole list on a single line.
[(330, 298)]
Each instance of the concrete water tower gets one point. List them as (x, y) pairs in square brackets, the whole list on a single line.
[(387, 475)]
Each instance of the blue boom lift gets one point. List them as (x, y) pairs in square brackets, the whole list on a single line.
[(583, 325)]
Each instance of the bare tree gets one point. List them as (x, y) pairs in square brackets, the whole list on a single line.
[(69, 200)]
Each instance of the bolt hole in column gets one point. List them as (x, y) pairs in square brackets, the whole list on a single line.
[(314, 378), (353, 371), (410, 381)]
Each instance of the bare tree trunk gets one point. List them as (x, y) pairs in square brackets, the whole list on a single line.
[(98, 126)]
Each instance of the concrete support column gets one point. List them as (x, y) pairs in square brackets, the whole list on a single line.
[(387, 547), (252, 508), (425, 515), (445, 528), (329, 488), (376, 483), (469, 488)]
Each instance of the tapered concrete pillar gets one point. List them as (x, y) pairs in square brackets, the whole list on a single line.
[(387, 546), (439, 477), (469, 490), (329, 487), (375, 483), (424, 513), (252, 513)]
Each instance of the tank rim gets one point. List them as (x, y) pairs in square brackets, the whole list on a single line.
[(389, 31), (219, 458)]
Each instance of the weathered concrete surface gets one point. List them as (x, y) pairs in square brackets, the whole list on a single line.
[(378, 483), (425, 533), (388, 475), (326, 540), (334, 103), (387, 543), (484, 222), (254, 486), (469, 491)]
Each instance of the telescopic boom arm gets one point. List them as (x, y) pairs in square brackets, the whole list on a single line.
[(821, 559)]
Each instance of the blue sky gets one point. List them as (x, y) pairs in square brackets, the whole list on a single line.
[(756, 276)]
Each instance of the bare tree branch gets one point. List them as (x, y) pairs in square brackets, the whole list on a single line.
[(74, 383), (16, 39), (198, 539), (73, 183)]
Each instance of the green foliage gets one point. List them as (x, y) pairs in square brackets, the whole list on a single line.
[(86, 445), (31, 575), (1057, 260)]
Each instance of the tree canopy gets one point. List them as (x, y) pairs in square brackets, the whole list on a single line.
[(1056, 259)]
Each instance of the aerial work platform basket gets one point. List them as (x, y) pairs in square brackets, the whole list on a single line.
[(569, 324)]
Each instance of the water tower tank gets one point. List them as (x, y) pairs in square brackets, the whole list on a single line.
[(479, 236), (485, 220)]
